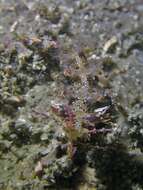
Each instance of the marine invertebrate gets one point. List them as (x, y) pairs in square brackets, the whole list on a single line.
[(68, 116), (79, 121)]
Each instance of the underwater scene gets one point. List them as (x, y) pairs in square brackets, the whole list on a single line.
[(71, 94)]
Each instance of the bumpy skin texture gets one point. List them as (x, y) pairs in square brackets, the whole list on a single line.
[(85, 56)]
